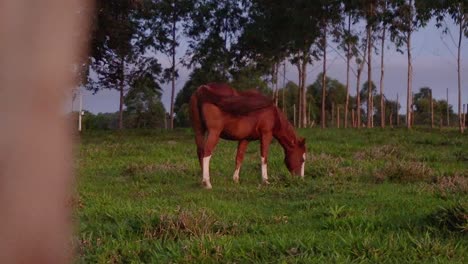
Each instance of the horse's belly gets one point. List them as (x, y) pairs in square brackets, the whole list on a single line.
[(239, 130)]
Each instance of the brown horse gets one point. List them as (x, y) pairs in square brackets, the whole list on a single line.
[(218, 111)]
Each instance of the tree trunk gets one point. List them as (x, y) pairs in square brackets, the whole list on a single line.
[(299, 112), (432, 111), (121, 93), (447, 110), (353, 121), (369, 68), (173, 51), (358, 82), (284, 86), (324, 76), (294, 115), (338, 116), (397, 111), (358, 99), (409, 92), (274, 82), (332, 114), (304, 94), (348, 58), (382, 100), (460, 36)]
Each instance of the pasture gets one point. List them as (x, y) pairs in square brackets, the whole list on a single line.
[(376, 196)]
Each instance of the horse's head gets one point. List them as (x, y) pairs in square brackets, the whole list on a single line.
[(295, 157)]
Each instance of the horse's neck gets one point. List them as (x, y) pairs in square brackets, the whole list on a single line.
[(284, 133)]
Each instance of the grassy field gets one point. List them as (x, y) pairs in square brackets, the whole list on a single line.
[(375, 196)]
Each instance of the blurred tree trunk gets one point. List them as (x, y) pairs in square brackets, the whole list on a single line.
[(460, 36), (382, 99), (324, 75), (348, 58), (369, 66)]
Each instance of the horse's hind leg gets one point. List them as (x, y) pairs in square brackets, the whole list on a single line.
[(210, 143), (239, 158)]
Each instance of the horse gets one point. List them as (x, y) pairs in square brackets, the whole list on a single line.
[(219, 111)]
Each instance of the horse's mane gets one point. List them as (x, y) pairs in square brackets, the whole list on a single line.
[(235, 102)]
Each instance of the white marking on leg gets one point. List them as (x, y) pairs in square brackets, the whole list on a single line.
[(235, 177), (264, 172), (303, 165), (206, 172)]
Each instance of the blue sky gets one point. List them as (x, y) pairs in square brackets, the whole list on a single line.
[(434, 65)]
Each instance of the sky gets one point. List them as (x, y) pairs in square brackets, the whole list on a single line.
[(434, 66)]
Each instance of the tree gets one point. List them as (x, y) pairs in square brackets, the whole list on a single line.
[(291, 92), (406, 19), (349, 45), (457, 10), (364, 94), (384, 20), (144, 106), (213, 31), (164, 19), (335, 94), (331, 17), (117, 58)]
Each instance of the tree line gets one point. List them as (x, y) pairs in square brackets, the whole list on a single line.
[(248, 42)]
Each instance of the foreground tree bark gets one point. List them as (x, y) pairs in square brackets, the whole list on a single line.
[(36, 158)]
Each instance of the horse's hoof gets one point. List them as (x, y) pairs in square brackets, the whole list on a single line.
[(236, 181), (266, 182), (207, 185)]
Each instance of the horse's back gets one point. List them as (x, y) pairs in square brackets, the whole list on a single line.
[(231, 101)]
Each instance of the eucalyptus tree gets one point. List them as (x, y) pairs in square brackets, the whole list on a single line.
[(331, 20), (384, 17), (260, 47), (457, 10), (284, 29), (406, 19), (213, 31), (349, 42), (117, 56), (163, 21)]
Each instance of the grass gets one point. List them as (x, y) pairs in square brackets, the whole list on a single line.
[(369, 196)]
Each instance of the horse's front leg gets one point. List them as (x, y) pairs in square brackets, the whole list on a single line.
[(264, 145), (210, 143), (241, 147)]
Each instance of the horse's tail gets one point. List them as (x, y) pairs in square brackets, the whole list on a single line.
[(197, 124)]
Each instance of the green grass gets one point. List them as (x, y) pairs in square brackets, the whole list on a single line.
[(369, 196)]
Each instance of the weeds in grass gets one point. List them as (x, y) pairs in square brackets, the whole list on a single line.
[(401, 171), (379, 152), (324, 165), (453, 218), (444, 186), (134, 169), (187, 223)]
